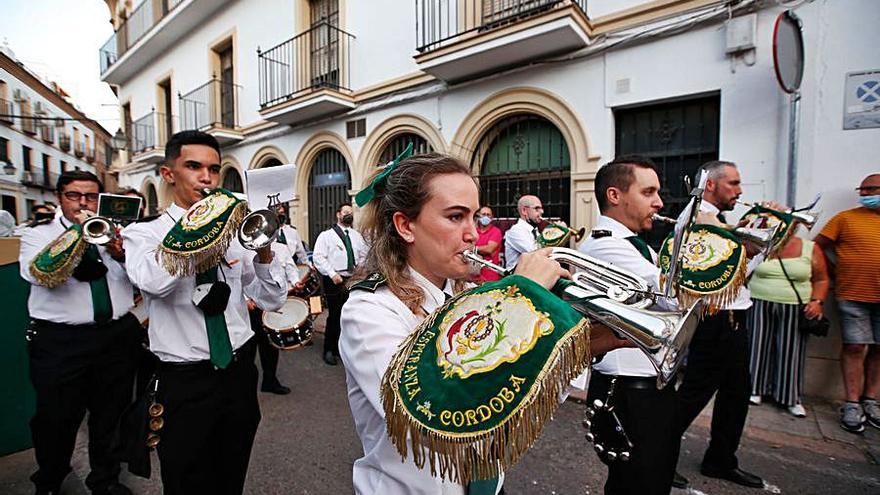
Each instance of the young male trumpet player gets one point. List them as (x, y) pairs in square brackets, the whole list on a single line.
[(83, 340), (627, 192), (207, 381)]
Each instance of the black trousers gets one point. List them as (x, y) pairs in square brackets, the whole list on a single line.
[(211, 417), (718, 363), (146, 364), (74, 369), (268, 352), (648, 417), (336, 296)]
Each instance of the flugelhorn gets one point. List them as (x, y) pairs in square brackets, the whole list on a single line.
[(761, 237), (618, 298), (260, 228)]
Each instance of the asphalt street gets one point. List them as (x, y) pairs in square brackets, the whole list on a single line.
[(306, 444)]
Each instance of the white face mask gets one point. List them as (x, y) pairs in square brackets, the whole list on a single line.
[(872, 202), (485, 221)]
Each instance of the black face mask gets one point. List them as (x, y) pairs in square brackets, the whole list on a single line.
[(282, 218), (347, 219)]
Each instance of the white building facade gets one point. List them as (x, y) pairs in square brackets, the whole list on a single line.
[(534, 94), (41, 135)]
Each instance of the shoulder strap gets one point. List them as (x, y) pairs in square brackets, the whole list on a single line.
[(37, 223), (370, 284), (796, 294), (147, 219), (339, 232)]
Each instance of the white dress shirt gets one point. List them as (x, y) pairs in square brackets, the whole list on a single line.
[(615, 249), (70, 302), (294, 245), (373, 326), (743, 297), (519, 238), (329, 253), (177, 327)]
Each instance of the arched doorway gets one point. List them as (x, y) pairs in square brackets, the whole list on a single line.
[(524, 154), (329, 182), (152, 199), (232, 181), (399, 143)]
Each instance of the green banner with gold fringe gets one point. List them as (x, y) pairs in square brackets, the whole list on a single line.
[(55, 263), (200, 238), (764, 218), (713, 266), (474, 384)]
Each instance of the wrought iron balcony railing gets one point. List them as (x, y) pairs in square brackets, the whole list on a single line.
[(441, 22), (212, 104), (138, 23), (39, 178), (312, 60), (150, 132)]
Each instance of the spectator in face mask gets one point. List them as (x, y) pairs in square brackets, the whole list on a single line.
[(488, 243), (854, 237)]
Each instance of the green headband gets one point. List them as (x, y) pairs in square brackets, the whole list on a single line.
[(368, 193)]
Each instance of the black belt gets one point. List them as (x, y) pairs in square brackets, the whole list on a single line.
[(204, 363), (52, 325), (631, 382)]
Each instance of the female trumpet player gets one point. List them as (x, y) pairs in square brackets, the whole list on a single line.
[(420, 218)]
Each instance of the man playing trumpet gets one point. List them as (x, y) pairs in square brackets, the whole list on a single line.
[(627, 191), (199, 325), (83, 340)]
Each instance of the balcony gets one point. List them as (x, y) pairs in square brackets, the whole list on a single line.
[(307, 76), (462, 39), (79, 149), (7, 110), (64, 141), (40, 179), (90, 154), (149, 32), (148, 137), (47, 132), (212, 108)]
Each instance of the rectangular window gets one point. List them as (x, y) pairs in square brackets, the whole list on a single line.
[(63, 166), (4, 150), (10, 205), (26, 158), (30, 207)]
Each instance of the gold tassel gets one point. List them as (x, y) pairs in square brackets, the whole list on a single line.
[(483, 455), (64, 272)]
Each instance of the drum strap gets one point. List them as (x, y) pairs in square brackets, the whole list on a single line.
[(218, 335), (349, 251)]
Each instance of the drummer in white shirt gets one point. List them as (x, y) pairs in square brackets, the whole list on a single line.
[(211, 409), (627, 192), (420, 218)]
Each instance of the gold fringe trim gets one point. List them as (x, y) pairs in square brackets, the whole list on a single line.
[(715, 300), (465, 457), (187, 264), (64, 272)]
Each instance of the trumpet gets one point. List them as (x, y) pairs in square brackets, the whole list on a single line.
[(808, 219), (761, 237), (98, 230), (259, 228), (618, 298)]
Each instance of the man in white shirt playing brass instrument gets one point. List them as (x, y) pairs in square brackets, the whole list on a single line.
[(206, 376)]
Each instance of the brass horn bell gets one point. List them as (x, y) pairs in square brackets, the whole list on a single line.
[(98, 230), (259, 229)]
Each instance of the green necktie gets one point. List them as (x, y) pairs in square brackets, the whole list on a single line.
[(349, 252), (102, 307), (483, 487), (642, 246), (218, 335), (281, 239)]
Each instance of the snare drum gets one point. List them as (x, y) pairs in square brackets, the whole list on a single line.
[(312, 283), (290, 327)]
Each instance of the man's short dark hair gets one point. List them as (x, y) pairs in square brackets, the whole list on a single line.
[(130, 191), (74, 175), (618, 173), (342, 205), (182, 138)]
